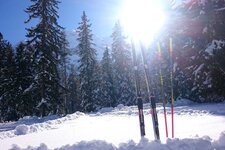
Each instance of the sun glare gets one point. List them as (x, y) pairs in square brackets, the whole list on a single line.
[(142, 19)]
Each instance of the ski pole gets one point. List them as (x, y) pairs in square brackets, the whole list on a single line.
[(162, 87)]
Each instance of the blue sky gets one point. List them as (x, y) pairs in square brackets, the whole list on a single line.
[(102, 14)]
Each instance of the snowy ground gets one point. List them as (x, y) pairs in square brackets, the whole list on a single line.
[(197, 126)]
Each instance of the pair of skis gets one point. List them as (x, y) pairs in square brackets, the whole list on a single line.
[(139, 96), (151, 95)]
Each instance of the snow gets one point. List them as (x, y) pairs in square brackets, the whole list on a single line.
[(174, 67), (28, 89), (220, 9), (144, 144), (120, 106), (198, 70), (202, 12), (220, 143), (29, 125), (203, 2), (105, 109), (210, 48), (205, 30), (194, 88), (216, 44), (208, 81), (21, 130), (197, 126), (43, 102), (182, 102)]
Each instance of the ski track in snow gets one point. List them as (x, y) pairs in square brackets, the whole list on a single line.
[(197, 126)]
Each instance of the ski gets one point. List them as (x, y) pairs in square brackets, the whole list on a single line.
[(154, 118), (162, 87), (138, 92), (151, 96), (171, 82), (141, 116)]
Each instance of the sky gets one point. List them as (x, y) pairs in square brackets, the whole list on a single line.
[(102, 14)]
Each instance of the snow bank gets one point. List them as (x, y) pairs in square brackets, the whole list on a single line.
[(220, 143), (129, 110), (119, 110), (181, 102), (21, 129), (182, 144), (41, 147), (106, 109), (92, 145), (29, 124), (120, 106)]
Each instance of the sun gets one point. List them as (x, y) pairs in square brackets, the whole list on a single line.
[(142, 19)]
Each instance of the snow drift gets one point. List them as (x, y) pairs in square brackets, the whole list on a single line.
[(204, 143)]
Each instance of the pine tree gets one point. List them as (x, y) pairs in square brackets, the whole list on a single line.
[(46, 38), (73, 96), (8, 103), (97, 86), (122, 67), (87, 65), (107, 85), (2, 46), (63, 69), (24, 79), (199, 34)]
